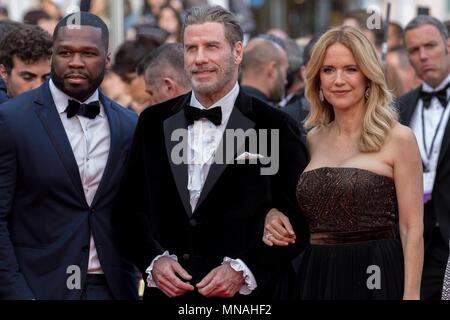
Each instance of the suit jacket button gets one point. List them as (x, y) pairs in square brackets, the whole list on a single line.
[(193, 222), (92, 210), (186, 256), (84, 248)]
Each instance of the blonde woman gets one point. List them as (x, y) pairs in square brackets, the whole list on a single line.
[(361, 193)]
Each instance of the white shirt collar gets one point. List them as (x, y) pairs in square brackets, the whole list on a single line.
[(226, 103), (62, 100), (427, 88)]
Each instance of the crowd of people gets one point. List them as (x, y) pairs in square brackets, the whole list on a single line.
[(209, 167)]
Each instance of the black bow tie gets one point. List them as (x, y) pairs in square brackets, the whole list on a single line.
[(441, 95), (193, 114), (89, 110)]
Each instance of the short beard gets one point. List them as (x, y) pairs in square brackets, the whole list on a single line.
[(279, 90), (227, 76), (79, 95)]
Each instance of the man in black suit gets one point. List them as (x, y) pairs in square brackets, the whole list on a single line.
[(63, 147), (426, 111), (194, 214)]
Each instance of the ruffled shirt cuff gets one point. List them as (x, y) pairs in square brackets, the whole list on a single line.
[(250, 281), (150, 282)]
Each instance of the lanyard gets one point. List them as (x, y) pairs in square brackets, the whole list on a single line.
[(428, 152)]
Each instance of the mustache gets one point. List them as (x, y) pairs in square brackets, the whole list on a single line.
[(201, 69)]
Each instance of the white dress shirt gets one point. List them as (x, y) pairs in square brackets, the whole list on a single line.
[(432, 116), (203, 139), (90, 142)]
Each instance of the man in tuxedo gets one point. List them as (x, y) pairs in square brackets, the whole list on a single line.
[(425, 111), (194, 222), (63, 147)]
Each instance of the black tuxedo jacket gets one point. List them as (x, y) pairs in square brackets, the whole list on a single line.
[(154, 212), (438, 208), (45, 221)]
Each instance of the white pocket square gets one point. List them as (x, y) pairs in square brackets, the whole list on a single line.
[(249, 156)]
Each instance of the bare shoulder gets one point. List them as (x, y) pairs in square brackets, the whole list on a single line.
[(401, 143), (402, 135)]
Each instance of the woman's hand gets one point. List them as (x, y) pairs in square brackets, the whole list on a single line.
[(278, 229)]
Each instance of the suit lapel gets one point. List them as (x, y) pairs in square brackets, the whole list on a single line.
[(115, 130), (237, 120), (444, 145), (409, 106), (179, 170), (407, 111), (47, 113)]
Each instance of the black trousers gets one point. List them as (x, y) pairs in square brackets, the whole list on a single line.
[(96, 288), (435, 262)]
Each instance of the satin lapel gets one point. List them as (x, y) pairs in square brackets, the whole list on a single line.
[(175, 129), (408, 107), (47, 113), (444, 146), (115, 147)]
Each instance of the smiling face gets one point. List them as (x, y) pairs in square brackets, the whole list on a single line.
[(79, 61), (342, 82), (210, 62), (428, 53)]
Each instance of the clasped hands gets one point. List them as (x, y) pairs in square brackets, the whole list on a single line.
[(172, 279)]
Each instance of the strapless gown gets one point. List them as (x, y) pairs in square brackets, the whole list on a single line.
[(355, 250)]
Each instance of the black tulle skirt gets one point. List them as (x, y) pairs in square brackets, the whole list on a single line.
[(371, 270)]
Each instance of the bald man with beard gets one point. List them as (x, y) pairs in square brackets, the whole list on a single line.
[(264, 70)]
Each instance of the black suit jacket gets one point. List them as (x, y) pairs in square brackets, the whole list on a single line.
[(253, 92), (154, 213), (438, 208), (45, 221)]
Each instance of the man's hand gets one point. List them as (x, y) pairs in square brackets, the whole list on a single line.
[(165, 274), (278, 229), (221, 282)]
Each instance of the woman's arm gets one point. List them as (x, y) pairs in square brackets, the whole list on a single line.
[(408, 181), (278, 229)]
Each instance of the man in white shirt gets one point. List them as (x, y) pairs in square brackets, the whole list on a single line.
[(195, 213), (426, 111), (63, 147)]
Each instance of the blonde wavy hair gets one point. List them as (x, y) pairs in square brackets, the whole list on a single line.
[(380, 113)]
